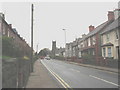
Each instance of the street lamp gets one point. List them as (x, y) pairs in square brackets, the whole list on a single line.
[(65, 39), (37, 47)]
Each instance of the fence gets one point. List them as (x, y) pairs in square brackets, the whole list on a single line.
[(15, 73)]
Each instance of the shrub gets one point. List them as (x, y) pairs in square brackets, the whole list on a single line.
[(87, 58)]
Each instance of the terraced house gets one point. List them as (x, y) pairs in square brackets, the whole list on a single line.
[(110, 37), (89, 46), (68, 50), (91, 43), (8, 31)]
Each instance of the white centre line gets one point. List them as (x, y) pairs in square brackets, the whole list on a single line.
[(74, 70), (104, 80)]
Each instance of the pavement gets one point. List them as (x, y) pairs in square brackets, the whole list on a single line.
[(115, 70), (41, 78)]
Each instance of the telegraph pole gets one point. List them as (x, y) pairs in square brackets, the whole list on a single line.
[(32, 9)]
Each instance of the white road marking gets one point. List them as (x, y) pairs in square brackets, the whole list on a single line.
[(64, 84), (74, 70), (104, 80)]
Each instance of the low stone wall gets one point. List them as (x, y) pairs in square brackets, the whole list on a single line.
[(15, 73)]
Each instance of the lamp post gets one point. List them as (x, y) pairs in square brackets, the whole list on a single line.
[(65, 41), (37, 47)]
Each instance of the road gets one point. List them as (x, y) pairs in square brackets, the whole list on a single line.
[(74, 76)]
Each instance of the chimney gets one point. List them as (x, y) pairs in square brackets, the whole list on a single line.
[(83, 35), (91, 28), (2, 15), (110, 15), (10, 25), (116, 13)]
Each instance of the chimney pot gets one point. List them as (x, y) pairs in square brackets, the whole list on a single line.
[(116, 13), (10, 25), (2, 15), (83, 35), (91, 28), (110, 15)]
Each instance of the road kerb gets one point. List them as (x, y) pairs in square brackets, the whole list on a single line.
[(95, 67)]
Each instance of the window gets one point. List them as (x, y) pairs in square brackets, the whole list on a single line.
[(78, 46), (3, 31), (8, 33), (109, 52), (104, 52), (107, 37), (79, 54), (93, 52), (93, 39), (89, 42), (116, 34), (101, 39), (0, 27)]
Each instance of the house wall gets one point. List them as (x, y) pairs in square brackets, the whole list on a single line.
[(7, 30), (66, 50), (110, 37)]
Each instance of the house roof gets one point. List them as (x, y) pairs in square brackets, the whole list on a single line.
[(112, 26), (97, 29)]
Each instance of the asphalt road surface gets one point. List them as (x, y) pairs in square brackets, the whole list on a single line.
[(74, 76)]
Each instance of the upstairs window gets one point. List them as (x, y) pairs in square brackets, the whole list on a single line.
[(107, 37), (93, 39), (117, 34)]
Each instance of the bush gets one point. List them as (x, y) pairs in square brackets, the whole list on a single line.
[(87, 58)]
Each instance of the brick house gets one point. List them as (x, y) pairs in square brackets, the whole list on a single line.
[(68, 50), (91, 43), (76, 48), (110, 37), (7, 30)]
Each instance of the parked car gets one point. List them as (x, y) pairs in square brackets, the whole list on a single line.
[(47, 58), (41, 57)]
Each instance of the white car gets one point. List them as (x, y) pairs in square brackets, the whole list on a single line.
[(48, 58)]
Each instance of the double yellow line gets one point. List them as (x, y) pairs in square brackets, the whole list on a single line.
[(63, 83)]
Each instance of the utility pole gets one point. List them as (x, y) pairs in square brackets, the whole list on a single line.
[(32, 9)]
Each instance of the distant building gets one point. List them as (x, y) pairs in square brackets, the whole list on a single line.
[(60, 52), (72, 49), (53, 48), (68, 50)]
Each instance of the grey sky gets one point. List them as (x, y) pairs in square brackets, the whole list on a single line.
[(51, 17)]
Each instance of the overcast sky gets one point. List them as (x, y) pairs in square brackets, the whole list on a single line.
[(51, 17)]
